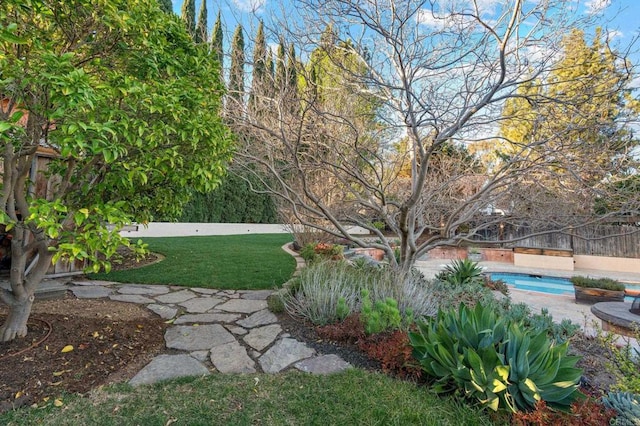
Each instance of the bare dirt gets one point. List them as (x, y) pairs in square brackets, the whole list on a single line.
[(112, 341)]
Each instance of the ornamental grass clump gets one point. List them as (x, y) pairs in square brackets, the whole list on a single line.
[(327, 292), (500, 363)]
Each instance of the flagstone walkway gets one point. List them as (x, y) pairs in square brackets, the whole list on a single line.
[(221, 331)]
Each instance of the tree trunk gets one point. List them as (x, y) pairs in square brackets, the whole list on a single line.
[(16, 323)]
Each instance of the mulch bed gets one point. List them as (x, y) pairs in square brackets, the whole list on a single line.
[(111, 342)]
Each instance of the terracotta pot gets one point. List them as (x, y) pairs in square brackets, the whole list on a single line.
[(595, 295)]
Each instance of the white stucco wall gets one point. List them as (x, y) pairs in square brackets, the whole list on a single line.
[(170, 229)]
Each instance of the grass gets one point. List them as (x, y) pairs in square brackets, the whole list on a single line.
[(354, 397), (223, 262)]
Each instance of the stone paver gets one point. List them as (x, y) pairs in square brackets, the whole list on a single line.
[(206, 318), (256, 294), (143, 290), (191, 338), (243, 306), (284, 353), (262, 317), (165, 367), (176, 297), (91, 292), (325, 364), (165, 312), (131, 298), (219, 330), (200, 305), (260, 338), (232, 358)]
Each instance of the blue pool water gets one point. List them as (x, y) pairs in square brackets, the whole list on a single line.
[(543, 284)]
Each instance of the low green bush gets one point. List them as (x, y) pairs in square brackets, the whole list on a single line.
[(626, 404), (381, 316), (500, 363), (624, 361), (603, 283)]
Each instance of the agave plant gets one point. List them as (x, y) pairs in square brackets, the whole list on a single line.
[(500, 363), (460, 272)]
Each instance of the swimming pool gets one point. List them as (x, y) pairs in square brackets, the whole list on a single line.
[(544, 284)]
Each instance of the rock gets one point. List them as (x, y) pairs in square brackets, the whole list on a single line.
[(164, 367), (200, 355), (91, 282), (262, 317), (131, 298), (200, 304), (191, 338), (232, 358), (206, 318), (260, 338), (243, 306), (204, 290), (165, 312), (256, 294), (91, 292), (325, 364), (284, 353), (143, 290), (239, 331), (176, 297)]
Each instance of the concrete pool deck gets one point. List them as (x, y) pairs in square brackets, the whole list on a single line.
[(559, 306)]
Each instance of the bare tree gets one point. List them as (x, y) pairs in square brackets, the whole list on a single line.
[(438, 75)]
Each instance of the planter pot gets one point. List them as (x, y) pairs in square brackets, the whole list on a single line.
[(595, 295)]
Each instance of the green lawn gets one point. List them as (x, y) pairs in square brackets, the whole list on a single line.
[(254, 261), (355, 397)]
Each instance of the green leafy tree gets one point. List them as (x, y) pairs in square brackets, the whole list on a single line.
[(236, 200), (236, 73), (217, 41), (188, 14), (166, 6), (201, 35), (128, 128)]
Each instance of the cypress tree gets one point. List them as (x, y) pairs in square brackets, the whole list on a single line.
[(281, 68), (216, 41), (236, 73), (189, 16), (259, 69), (166, 6), (201, 35)]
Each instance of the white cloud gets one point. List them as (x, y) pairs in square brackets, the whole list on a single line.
[(594, 7), (445, 13), (614, 34), (250, 5)]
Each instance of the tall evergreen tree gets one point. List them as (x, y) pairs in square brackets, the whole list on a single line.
[(201, 35), (166, 5), (281, 68), (259, 75), (236, 73), (217, 41), (189, 16)]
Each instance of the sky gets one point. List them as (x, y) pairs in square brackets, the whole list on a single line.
[(623, 16)]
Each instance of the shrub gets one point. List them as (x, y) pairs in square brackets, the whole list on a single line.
[(381, 316), (500, 363), (324, 284), (603, 283), (461, 272), (584, 412), (537, 323), (308, 253), (625, 362), (626, 404), (393, 351)]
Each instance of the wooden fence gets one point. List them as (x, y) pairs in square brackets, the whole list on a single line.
[(600, 240)]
